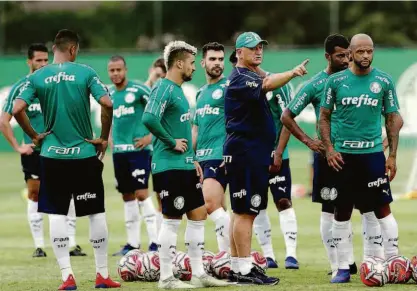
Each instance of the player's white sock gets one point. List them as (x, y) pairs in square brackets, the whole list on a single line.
[(194, 240), (245, 265), (372, 237), (71, 223), (149, 215), (132, 223), (326, 224), (36, 224), (351, 254), (235, 264), (288, 223), (389, 228), (262, 228), (99, 238), (340, 232), (222, 221), (159, 218), (59, 241), (167, 246)]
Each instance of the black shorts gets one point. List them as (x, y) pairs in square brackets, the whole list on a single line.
[(63, 179), (248, 187), (180, 191), (212, 169), (324, 181), (280, 183), (132, 170), (363, 182), (31, 165)]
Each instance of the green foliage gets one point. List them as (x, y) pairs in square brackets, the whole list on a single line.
[(116, 25)]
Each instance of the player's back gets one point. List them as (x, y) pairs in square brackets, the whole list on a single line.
[(64, 94), (249, 124)]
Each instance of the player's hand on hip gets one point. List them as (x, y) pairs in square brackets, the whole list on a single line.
[(335, 160), (25, 149), (391, 167), (37, 141), (276, 167), (301, 69), (316, 145), (199, 171), (142, 142), (100, 145), (181, 145)]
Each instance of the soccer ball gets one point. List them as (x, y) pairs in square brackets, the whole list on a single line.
[(399, 269), (149, 269), (181, 266), (126, 268), (207, 258), (374, 272), (221, 265), (259, 260), (413, 266)]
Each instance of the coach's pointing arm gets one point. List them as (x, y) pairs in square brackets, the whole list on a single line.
[(274, 81)]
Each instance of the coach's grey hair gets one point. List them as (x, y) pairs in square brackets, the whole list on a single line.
[(175, 46)]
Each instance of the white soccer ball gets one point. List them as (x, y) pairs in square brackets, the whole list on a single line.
[(149, 269), (221, 265), (126, 267), (374, 272), (207, 258), (181, 266), (259, 260)]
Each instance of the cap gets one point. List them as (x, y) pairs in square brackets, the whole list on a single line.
[(249, 40)]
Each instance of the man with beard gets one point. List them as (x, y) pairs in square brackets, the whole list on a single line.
[(337, 55), (177, 175), (358, 96), (131, 142), (209, 134)]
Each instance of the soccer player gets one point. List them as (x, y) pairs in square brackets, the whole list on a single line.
[(70, 162), (209, 134), (176, 174), (359, 95), (337, 55), (131, 142), (251, 135), (37, 58)]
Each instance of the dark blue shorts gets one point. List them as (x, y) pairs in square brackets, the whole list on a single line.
[(324, 180), (132, 170), (212, 169), (280, 183), (31, 165), (180, 191), (248, 187), (60, 180), (363, 182)]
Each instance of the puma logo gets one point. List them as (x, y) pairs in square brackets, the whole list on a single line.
[(141, 180), (291, 237), (213, 169), (385, 191), (282, 188), (346, 86)]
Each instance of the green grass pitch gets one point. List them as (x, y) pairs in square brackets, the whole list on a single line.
[(19, 271)]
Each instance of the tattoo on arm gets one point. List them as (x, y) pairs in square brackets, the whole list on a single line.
[(324, 127), (393, 124), (106, 119)]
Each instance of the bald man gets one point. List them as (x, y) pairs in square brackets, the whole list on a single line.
[(361, 94)]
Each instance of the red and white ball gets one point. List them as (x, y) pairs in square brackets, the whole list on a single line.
[(126, 267), (149, 270), (181, 266), (221, 265), (374, 272), (400, 271), (207, 258), (259, 260), (413, 266)]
